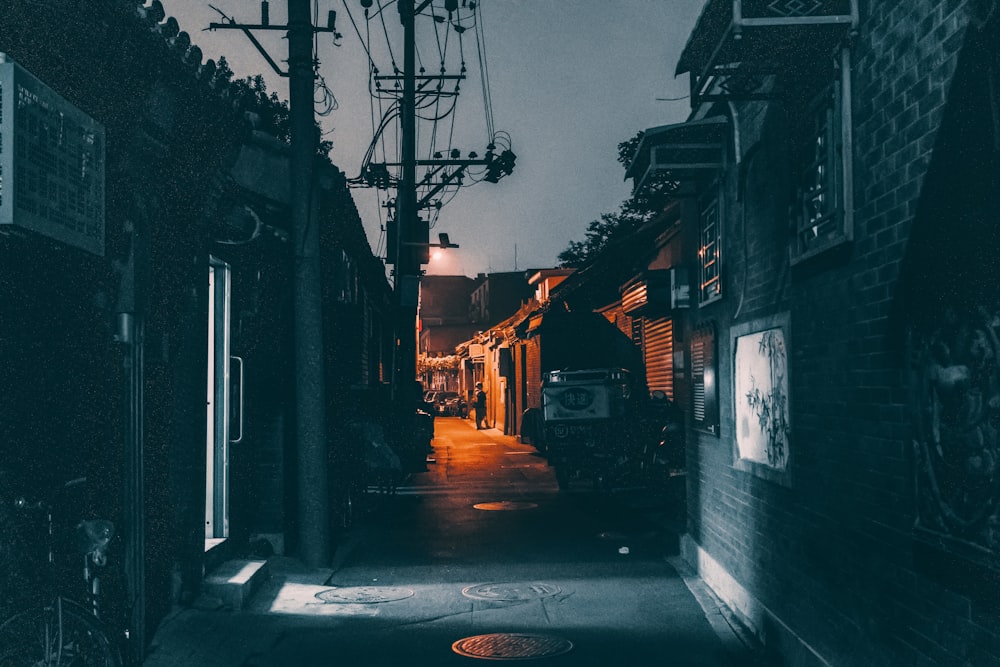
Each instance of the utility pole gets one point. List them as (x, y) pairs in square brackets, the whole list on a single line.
[(314, 534), (407, 283), (310, 394), (411, 238)]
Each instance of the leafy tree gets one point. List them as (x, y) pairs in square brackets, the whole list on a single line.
[(274, 112), (634, 212)]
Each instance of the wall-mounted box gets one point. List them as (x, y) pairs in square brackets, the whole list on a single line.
[(51, 163)]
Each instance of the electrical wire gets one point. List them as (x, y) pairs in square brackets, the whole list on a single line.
[(388, 42), (364, 43), (484, 74), (435, 102)]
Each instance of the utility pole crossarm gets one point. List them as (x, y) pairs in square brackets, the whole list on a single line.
[(253, 40), (260, 26), (231, 24), (423, 77), (448, 178), (441, 162)]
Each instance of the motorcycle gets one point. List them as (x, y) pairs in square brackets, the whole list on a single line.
[(662, 452)]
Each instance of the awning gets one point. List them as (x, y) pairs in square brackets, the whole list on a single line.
[(655, 292), (686, 151), (736, 41)]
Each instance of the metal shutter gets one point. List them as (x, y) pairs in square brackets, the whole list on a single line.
[(658, 350), (698, 377), (704, 369)]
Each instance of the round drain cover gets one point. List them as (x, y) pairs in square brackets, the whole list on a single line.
[(511, 646), (506, 505), (511, 592), (364, 594)]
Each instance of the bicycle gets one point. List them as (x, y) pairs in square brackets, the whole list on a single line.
[(60, 632)]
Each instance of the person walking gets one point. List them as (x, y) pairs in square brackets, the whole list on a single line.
[(480, 406)]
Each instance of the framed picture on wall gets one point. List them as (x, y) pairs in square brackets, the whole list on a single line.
[(761, 393)]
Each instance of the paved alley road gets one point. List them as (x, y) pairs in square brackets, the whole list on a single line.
[(481, 544)]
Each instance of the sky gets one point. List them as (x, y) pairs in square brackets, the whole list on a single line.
[(568, 81)]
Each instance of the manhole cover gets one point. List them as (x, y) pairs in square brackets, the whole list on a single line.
[(511, 646), (506, 505), (364, 594), (511, 592)]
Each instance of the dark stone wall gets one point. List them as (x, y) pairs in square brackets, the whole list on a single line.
[(173, 123), (827, 552)]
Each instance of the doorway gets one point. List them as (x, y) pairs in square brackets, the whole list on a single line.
[(218, 398)]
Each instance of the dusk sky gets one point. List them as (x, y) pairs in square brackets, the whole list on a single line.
[(568, 81)]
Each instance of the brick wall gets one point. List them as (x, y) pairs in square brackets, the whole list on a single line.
[(533, 351), (822, 561)]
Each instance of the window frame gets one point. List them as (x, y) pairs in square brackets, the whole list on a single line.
[(829, 113), (710, 199)]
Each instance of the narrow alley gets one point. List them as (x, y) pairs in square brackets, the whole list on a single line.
[(482, 545)]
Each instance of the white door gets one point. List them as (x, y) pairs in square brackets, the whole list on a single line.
[(218, 406)]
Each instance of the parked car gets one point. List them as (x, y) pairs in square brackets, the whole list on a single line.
[(427, 401), (456, 407), (441, 402)]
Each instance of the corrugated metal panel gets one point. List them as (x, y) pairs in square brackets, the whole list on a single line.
[(635, 296), (658, 349)]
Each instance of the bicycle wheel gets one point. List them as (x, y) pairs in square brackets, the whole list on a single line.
[(36, 638)]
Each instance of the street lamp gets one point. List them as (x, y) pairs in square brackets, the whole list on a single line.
[(443, 242)]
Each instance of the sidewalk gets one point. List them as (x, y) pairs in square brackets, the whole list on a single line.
[(425, 568)]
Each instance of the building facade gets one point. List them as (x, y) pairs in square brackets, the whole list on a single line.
[(838, 360), (146, 305)]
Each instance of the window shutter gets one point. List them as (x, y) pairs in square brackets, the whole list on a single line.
[(659, 355), (704, 370)]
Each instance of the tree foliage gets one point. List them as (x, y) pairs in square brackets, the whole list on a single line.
[(634, 212), (446, 363), (273, 112)]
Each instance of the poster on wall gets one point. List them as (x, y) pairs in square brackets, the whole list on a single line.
[(761, 397), (51, 163)]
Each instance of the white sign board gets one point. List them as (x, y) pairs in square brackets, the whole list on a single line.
[(51, 163)]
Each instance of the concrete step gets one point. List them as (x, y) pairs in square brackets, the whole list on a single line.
[(235, 581)]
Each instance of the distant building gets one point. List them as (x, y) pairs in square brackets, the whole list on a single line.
[(498, 296), (444, 314)]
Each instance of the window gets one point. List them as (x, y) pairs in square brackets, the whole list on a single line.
[(821, 215), (636, 335), (704, 371), (347, 284), (710, 247)]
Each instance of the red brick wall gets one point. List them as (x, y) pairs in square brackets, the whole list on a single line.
[(532, 350)]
